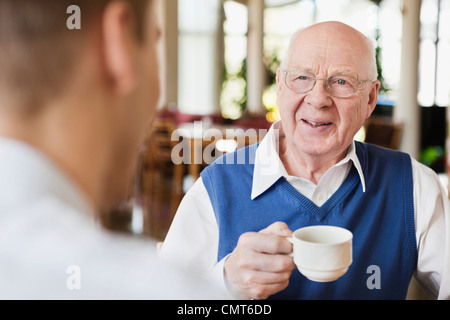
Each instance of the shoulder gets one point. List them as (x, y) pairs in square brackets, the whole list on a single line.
[(245, 155), (375, 150), (371, 155), (243, 159), (425, 179), (196, 197), (53, 224)]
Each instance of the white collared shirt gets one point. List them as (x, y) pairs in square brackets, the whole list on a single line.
[(192, 241), (268, 172)]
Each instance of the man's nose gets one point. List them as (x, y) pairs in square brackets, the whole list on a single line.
[(319, 97)]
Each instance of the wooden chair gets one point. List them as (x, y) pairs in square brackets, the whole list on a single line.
[(198, 147), (383, 132), (161, 180)]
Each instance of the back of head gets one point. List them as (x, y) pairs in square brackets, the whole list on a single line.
[(38, 52)]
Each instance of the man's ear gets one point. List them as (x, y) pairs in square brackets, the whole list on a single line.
[(279, 82), (279, 79), (373, 97), (119, 46)]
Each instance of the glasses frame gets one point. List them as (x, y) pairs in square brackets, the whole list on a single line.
[(327, 88)]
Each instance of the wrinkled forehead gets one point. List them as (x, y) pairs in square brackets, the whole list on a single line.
[(327, 53)]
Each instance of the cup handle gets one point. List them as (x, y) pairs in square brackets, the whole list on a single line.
[(291, 240)]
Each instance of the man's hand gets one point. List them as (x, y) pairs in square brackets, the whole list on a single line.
[(260, 266)]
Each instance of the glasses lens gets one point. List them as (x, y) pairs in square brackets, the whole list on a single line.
[(300, 81), (342, 86)]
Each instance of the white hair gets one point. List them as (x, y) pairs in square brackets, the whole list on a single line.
[(373, 70)]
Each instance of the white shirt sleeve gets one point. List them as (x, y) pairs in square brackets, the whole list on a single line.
[(432, 211), (193, 239)]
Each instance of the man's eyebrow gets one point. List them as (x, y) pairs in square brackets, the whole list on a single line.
[(344, 71), (341, 70)]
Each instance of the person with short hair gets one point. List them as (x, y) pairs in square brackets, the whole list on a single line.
[(74, 106), (308, 170)]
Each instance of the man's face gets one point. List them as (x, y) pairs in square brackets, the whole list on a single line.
[(143, 105), (149, 89), (317, 123), (138, 112)]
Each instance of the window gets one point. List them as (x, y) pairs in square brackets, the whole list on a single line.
[(198, 23), (434, 70), (234, 90)]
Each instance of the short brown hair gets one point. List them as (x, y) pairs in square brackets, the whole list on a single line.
[(38, 51)]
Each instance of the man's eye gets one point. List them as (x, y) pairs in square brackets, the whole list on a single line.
[(341, 82), (305, 78)]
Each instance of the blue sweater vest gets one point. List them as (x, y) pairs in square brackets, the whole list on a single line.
[(381, 219)]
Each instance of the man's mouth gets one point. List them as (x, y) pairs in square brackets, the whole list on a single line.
[(316, 124)]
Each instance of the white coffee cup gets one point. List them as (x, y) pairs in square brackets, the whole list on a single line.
[(322, 253)]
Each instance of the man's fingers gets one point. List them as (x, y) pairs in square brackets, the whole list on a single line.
[(261, 292), (277, 233), (266, 243), (260, 266), (266, 262), (279, 228)]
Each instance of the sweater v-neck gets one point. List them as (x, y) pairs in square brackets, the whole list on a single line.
[(308, 206)]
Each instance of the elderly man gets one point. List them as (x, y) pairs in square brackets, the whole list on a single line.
[(74, 106), (234, 221)]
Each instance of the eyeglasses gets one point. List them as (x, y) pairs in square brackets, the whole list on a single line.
[(338, 86)]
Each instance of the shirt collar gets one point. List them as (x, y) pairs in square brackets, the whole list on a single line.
[(27, 175), (269, 168)]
